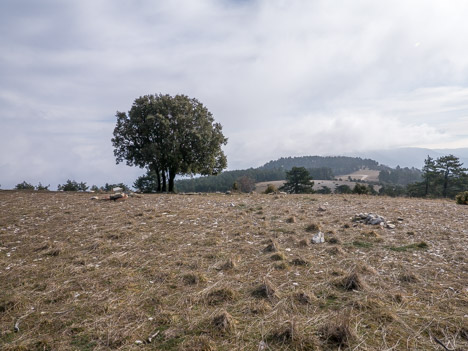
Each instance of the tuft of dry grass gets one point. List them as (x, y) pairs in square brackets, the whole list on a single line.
[(223, 323), (279, 256), (313, 227), (338, 332), (353, 281), (219, 295), (265, 290)]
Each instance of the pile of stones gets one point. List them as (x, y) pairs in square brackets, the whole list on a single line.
[(372, 219)]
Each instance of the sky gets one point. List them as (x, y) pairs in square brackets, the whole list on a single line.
[(284, 78)]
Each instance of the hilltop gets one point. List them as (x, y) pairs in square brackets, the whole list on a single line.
[(220, 272)]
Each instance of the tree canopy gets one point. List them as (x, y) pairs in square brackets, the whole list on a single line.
[(169, 136), (298, 181)]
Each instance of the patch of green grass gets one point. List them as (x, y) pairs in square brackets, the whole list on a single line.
[(362, 244), (416, 246), (283, 230)]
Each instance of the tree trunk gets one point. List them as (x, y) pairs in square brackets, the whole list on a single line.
[(172, 175), (164, 189), (159, 182)]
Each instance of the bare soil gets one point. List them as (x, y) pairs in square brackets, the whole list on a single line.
[(192, 272)]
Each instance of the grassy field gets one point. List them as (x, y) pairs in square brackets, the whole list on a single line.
[(221, 272)]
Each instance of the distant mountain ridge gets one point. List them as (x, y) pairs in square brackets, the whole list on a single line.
[(411, 156)]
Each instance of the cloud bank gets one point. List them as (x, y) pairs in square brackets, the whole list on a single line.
[(283, 78)]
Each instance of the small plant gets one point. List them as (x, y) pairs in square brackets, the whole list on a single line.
[(416, 246), (462, 198), (270, 189)]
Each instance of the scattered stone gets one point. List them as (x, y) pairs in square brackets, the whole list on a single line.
[(117, 190), (318, 238), (321, 209), (94, 198), (372, 219), (228, 192)]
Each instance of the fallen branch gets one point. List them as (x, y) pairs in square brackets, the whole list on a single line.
[(441, 344)]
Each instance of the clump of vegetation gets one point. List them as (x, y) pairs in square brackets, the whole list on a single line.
[(279, 256), (72, 185), (313, 227), (220, 295), (462, 198), (300, 262), (193, 278), (24, 186), (265, 290), (338, 332), (270, 189), (223, 322), (408, 277), (416, 246), (352, 281)]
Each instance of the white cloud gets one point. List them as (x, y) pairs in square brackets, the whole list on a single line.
[(282, 77)]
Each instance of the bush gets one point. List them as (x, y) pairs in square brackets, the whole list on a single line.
[(24, 186), (360, 189), (41, 187), (71, 185), (343, 189), (462, 198), (270, 189)]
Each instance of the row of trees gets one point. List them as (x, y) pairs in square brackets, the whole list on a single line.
[(72, 185)]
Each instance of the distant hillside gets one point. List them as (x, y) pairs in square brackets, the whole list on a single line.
[(324, 168), (338, 164), (411, 156)]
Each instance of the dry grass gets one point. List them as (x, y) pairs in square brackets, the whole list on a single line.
[(174, 272)]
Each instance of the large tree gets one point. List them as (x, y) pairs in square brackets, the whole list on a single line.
[(298, 181), (169, 136)]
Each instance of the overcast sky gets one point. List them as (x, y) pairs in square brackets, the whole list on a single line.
[(284, 78)]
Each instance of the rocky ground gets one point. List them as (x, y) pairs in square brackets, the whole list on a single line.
[(231, 272)]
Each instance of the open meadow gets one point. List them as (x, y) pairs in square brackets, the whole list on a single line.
[(231, 272)]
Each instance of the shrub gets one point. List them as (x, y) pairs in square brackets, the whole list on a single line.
[(462, 198), (360, 189), (41, 187), (72, 185), (24, 186), (270, 189)]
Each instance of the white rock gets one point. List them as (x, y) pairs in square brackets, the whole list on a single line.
[(318, 238)]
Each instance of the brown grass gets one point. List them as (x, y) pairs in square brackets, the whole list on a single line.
[(191, 273)]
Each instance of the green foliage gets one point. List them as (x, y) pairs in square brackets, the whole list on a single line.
[(224, 181), (41, 187), (109, 187), (147, 183), (24, 186), (462, 198), (417, 246), (337, 164), (343, 189), (170, 136), (400, 176), (393, 190), (442, 177), (324, 190), (360, 189), (270, 189), (298, 181), (72, 185)]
